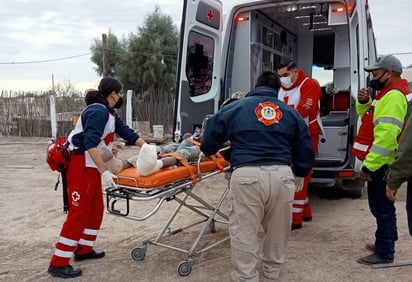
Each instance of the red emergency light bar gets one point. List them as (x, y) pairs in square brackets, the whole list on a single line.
[(347, 173), (242, 19), (338, 10)]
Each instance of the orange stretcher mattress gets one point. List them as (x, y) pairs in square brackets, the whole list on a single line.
[(130, 176)]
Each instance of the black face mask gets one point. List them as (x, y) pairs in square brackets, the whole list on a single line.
[(119, 103), (376, 84)]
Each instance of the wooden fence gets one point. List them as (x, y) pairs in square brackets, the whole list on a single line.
[(28, 115)]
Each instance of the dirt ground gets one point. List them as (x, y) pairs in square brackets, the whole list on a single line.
[(325, 249)]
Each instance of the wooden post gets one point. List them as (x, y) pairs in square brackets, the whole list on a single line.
[(129, 110), (105, 55), (53, 117)]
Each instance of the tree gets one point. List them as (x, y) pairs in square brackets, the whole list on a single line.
[(154, 52), (66, 88), (116, 51), (68, 98), (146, 60)]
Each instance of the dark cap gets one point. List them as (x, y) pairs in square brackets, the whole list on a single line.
[(387, 62)]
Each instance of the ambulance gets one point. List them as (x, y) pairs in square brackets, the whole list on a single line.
[(330, 40)]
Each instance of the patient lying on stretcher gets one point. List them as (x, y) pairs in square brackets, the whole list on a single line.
[(149, 161), (151, 158)]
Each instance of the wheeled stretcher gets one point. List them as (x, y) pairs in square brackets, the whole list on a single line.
[(173, 183)]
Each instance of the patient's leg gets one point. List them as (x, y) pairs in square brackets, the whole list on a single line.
[(167, 148), (147, 162), (132, 161), (113, 163), (106, 154), (190, 153), (168, 161)]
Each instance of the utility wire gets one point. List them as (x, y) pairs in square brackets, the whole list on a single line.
[(82, 55), (133, 52), (401, 53), (45, 61)]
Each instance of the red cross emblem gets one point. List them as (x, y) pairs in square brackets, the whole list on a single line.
[(210, 15), (268, 113), (75, 196)]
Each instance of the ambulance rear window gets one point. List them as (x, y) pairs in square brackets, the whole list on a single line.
[(199, 67)]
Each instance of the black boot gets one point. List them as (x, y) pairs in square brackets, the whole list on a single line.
[(92, 255), (64, 271)]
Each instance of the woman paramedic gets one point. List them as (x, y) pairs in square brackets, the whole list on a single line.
[(86, 174)]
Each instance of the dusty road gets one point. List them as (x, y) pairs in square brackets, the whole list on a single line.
[(325, 249)]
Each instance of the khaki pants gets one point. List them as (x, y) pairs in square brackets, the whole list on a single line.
[(261, 198)]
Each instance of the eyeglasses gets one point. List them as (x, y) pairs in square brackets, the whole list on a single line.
[(120, 94)]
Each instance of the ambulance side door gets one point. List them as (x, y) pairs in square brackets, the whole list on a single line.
[(199, 64)]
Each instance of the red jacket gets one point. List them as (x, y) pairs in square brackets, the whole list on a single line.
[(308, 106), (365, 137)]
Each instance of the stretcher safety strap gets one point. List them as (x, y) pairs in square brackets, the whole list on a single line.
[(214, 158), (193, 141), (184, 163)]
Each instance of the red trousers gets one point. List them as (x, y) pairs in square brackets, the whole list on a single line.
[(85, 215), (301, 207)]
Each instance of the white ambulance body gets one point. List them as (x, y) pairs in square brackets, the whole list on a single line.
[(330, 40)]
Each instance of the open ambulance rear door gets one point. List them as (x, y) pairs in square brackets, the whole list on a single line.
[(199, 64)]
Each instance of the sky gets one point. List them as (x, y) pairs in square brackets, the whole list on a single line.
[(42, 41)]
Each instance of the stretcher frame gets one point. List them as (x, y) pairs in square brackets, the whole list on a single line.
[(180, 191)]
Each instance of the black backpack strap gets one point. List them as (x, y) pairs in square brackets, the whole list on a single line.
[(65, 196)]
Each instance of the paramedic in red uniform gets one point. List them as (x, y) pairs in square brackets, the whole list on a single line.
[(302, 93), (376, 144), (86, 174), (265, 136)]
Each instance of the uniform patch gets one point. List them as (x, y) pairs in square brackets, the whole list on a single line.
[(75, 198), (268, 113), (308, 104)]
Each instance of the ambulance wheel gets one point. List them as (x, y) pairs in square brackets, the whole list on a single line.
[(139, 253), (212, 227), (184, 268)]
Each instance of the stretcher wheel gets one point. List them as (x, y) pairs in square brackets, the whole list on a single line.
[(184, 268), (212, 227), (139, 253)]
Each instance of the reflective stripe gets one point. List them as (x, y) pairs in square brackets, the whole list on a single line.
[(298, 202), (90, 231), (389, 120), (67, 241), (360, 147), (297, 210), (381, 151), (409, 97), (62, 254), (306, 200), (86, 243)]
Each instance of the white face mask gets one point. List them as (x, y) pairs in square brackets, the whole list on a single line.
[(286, 81)]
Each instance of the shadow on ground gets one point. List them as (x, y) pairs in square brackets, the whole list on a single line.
[(332, 193)]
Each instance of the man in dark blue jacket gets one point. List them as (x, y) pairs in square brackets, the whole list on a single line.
[(271, 153)]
